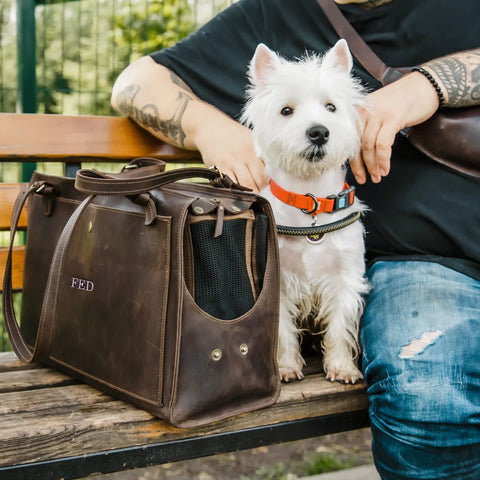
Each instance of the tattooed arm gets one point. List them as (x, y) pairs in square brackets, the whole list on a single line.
[(410, 101), (159, 101), (459, 77)]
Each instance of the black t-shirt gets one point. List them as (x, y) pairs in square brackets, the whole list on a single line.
[(421, 210)]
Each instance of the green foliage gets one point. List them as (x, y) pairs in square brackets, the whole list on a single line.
[(8, 52), (142, 29), (4, 342), (323, 462), (82, 46), (278, 472)]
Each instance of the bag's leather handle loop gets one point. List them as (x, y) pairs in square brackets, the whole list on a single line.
[(46, 325), (364, 54), (21, 348), (141, 180)]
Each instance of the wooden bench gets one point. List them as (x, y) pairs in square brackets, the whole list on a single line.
[(53, 427)]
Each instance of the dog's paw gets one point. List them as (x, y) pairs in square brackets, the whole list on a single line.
[(350, 374), (288, 374)]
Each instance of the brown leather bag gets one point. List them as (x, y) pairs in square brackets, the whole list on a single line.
[(162, 293), (451, 136)]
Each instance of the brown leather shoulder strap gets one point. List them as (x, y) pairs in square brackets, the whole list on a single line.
[(364, 54)]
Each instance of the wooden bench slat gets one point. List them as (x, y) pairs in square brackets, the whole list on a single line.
[(32, 379), (92, 423), (8, 194), (69, 396), (18, 258), (62, 138)]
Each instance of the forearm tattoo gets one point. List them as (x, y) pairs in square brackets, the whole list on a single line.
[(148, 115), (459, 76)]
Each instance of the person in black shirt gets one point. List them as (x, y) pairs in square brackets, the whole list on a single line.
[(419, 331)]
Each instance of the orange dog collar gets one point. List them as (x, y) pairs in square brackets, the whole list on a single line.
[(313, 205)]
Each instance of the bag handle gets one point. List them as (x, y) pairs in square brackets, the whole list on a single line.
[(363, 53), (21, 348), (47, 324), (136, 182)]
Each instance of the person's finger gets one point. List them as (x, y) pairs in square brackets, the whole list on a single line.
[(368, 146), (383, 148), (357, 168), (257, 171)]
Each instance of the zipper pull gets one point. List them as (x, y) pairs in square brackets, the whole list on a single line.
[(220, 216)]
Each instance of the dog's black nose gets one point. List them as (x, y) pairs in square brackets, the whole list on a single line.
[(318, 134)]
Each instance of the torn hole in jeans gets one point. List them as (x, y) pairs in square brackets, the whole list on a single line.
[(418, 345)]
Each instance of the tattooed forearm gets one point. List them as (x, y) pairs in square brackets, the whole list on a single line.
[(149, 117), (459, 76)]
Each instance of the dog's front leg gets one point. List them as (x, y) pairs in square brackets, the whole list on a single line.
[(340, 345), (290, 361), (339, 364)]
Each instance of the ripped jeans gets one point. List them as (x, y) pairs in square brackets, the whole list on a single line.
[(420, 337)]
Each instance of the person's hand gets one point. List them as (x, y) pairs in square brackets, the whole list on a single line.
[(408, 101), (229, 147)]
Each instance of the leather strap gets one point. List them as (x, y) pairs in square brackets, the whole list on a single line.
[(11, 324), (47, 322), (142, 180), (364, 54), (310, 204)]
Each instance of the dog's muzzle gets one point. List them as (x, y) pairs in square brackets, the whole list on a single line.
[(313, 153)]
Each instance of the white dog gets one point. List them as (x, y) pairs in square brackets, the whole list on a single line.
[(305, 126)]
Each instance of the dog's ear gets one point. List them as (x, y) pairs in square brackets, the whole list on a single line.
[(263, 61), (339, 56)]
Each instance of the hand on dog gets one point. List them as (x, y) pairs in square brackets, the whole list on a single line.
[(408, 101), (232, 151)]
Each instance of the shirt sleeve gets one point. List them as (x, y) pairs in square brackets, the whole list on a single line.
[(213, 60)]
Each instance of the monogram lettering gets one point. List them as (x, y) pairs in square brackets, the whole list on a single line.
[(81, 284)]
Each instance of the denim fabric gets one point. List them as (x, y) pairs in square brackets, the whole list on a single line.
[(420, 336)]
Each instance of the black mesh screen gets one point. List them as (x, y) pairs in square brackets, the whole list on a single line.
[(222, 286)]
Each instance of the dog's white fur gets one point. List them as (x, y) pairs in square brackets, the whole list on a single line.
[(322, 283)]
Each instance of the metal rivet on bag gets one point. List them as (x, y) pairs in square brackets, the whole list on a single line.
[(216, 354), (198, 210), (90, 226), (243, 348)]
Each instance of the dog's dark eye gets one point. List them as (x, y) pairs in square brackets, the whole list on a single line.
[(330, 107), (286, 111)]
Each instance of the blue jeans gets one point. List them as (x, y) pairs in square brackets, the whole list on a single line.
[(420, 336)]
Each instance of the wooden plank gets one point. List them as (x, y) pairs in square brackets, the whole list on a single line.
[(19, 380), (10, 362), (38, 400), (91, 423), (35, 137), (18, 261), (8, 194)]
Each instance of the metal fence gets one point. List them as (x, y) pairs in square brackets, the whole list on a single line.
[(62, 56)]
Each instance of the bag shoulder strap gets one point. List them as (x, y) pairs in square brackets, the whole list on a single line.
[(364, 54)]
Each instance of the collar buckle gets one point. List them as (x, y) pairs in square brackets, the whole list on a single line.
[(343, 200)]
